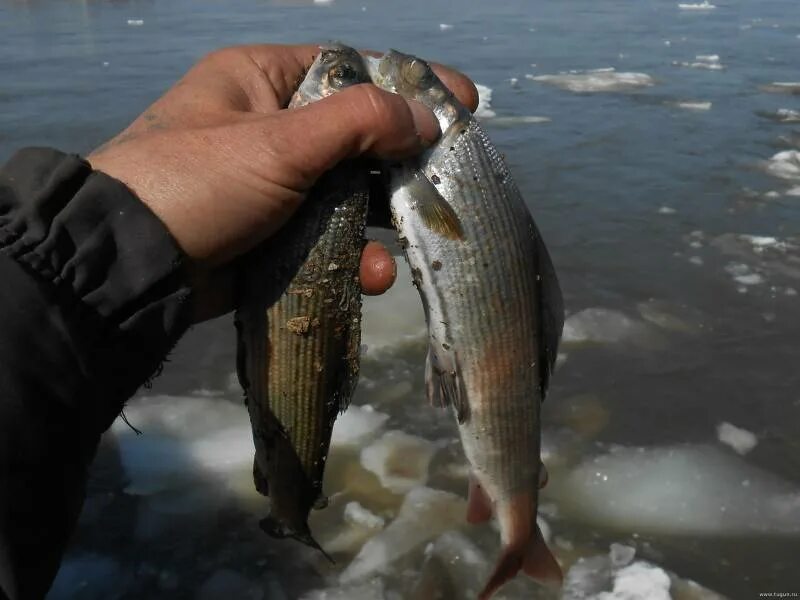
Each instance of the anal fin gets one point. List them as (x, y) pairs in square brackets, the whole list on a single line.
[(479, 505)]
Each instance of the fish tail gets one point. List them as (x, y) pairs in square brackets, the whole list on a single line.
[(279, 530), (524, 549), (534, 559)]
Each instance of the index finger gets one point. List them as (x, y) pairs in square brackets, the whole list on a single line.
[(285, 67)]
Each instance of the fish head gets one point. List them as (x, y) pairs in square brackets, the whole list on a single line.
[(336, 67), (415, 79)]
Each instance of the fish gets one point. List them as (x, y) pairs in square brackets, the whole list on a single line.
[(299, 323), (493, 306)]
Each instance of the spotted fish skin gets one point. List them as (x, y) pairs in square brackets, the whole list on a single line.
[(299, 324), (493, 306)]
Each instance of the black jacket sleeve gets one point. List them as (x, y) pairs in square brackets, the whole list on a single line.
[(92, 297)]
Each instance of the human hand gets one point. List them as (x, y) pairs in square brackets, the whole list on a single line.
[(224, 165)]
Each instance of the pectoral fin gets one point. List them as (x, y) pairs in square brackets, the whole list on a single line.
[(443, 381), (433, 209)]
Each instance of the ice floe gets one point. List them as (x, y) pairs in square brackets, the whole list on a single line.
[(596, 80), (617, 577), (741, 440), (510, 121), (671, 317), (484, 110), (358, 515), (666, 210), (357, 425), (696, 105), (709, 62), (395, 317), (701, 6), (601, 325), (782, 87), (135, 22), (686, 489), (445, 26), (781, 115), (785, 164), (425, 514), (184, 439), (743, 274), (399, 459)]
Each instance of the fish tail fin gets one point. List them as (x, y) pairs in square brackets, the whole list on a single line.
[(534, 559), (277, 529), (540, 564), (309, 540)]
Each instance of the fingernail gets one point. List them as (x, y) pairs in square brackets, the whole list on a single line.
[(425, 122)]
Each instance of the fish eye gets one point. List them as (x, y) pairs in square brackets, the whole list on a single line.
[(342, 74), (417, 73)]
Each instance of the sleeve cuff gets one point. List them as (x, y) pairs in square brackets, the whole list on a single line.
[(103, 249)]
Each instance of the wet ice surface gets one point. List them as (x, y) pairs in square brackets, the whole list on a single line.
[(596, 80), (680, 319)]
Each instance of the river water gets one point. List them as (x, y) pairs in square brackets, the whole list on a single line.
[(658, 146)]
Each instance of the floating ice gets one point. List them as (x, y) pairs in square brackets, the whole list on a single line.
[(785, 164), (743, 274), (599, 325), (782, 115), (394, 318), (445, 26), (621, 555), (640, 580), (782, 87), (357, 425), (510, 121), (613, 577), (597, 80), (135, 22), (666, 210), (741, 440), (704, 5), (465, 564), (694, 105), (484, 110), (400, 460), (703, 61), (671, 317), (795, 191), (681, 490), (425, 514), (184, 439), (358, 515), (323, 1)]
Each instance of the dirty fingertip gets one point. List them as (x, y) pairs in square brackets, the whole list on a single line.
[(378, 270)]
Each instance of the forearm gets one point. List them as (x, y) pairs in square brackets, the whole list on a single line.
[(92, 297)]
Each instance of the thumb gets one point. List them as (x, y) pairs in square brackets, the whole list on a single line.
[(362, 119)]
